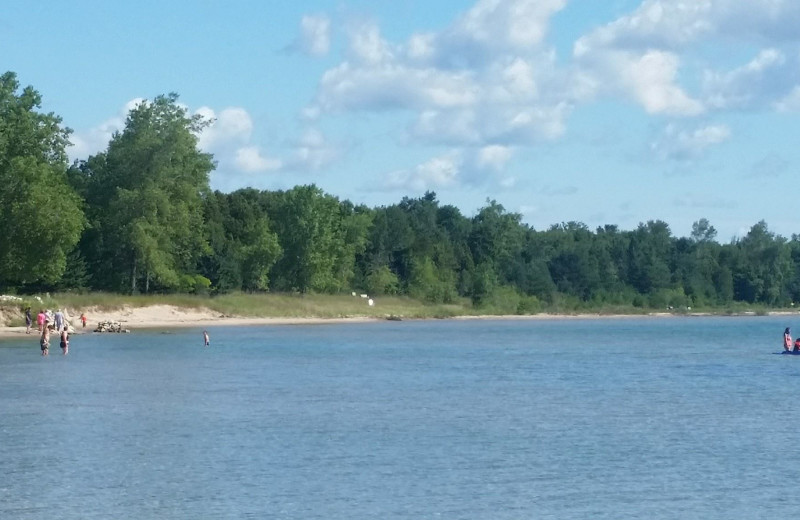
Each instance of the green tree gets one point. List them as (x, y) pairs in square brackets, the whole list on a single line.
[(650, 251), (243, 247), (40, 215), (381, 280), (145, 193), (498, 237), (320, 238), (764, 268)]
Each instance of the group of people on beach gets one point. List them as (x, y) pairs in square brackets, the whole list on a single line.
[(50, 322), (787, 341)]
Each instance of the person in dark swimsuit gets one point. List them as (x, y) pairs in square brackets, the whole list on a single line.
[(28, 320), (65, 341)]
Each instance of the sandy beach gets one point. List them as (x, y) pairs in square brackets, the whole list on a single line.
[(168, 317)]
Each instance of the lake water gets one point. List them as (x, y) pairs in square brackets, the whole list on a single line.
[(613, 418)]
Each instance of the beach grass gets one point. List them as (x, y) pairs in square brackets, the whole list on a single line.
[(257, 305), (275, 305)]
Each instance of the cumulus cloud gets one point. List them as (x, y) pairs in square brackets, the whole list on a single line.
[(651, 40), (679, 144), (648, 77), (312, 152), (677, 23), (462, 167), (486, 78), (249, 159), (790, 102), (655, 24), (314, 38), (510, 25), (439, 172), (764, 78), (367, 46), (231, 125), (494, 157), (393, 86)]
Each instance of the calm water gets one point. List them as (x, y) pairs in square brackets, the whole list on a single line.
[(629, 418)]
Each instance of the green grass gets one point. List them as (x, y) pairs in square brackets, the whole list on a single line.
[(255, 305)]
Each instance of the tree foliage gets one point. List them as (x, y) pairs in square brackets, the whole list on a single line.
[(145, 193), (40, 214)]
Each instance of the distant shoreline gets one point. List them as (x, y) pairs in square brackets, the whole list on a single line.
[(172, 317)]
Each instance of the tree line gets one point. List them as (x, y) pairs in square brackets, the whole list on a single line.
[(140, 217)]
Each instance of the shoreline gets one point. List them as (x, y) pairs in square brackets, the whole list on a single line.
[(170, 317)]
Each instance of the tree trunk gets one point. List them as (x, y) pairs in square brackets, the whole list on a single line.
[(133, 276)]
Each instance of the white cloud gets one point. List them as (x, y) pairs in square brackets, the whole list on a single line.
[(649, 44), (765, 20), (394, 86), (494, 157), (757, 80), (678, 23), (472, 167), (315, 38), (421, 47), (232, 125), (486, 78), (790, 102), (439, 172), (250, 160), (655, 24), (367, 46), (513, 24), (678, 144), (312, 151), (649, 78)]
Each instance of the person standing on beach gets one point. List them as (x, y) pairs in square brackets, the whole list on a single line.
[(28, 320), (59, 320), (65, 340), (83, 320), (40, 320), (206, 339), (44, 341)]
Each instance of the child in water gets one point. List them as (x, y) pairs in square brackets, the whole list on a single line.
[(787, 340), (44, 341), (206, 339)]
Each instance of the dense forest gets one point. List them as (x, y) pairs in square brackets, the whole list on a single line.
[(140, 217)]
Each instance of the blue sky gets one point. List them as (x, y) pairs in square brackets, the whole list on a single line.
[(613, 112)]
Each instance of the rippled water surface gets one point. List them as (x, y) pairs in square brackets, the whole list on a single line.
[(613, 418)]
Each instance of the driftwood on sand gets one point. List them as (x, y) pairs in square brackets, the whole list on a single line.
[(110, 326)]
